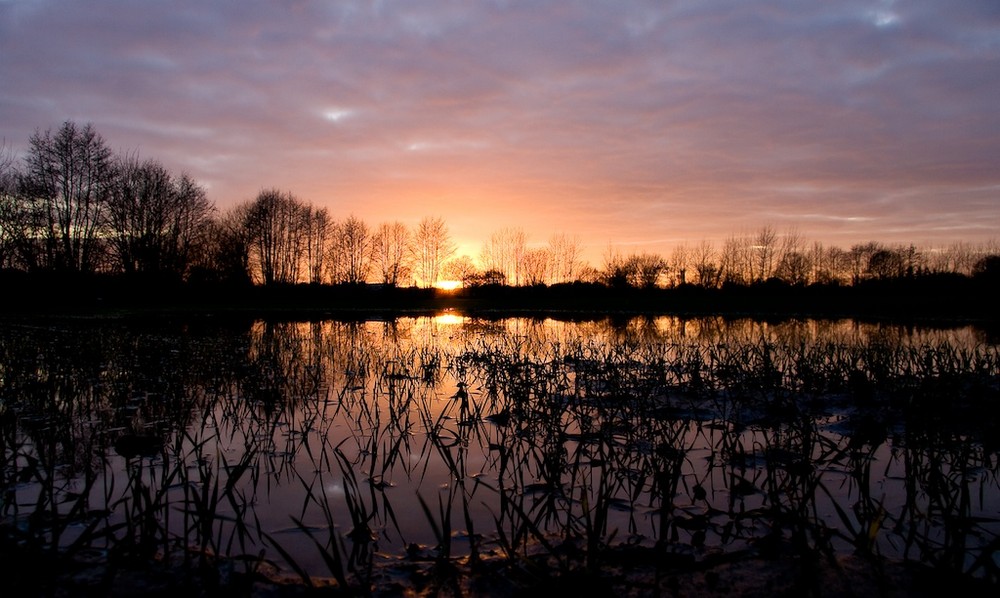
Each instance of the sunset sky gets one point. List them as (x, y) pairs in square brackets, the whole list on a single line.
[(641, 124)]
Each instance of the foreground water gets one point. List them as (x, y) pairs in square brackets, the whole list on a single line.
[(325, 445)]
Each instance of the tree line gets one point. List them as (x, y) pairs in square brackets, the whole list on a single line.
[(71, 205)]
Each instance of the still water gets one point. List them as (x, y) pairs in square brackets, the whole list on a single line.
[(327, 444)]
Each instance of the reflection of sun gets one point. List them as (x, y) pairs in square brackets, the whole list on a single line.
[(447, 285), (448, 317)]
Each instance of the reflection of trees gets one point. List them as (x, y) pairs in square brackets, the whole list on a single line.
[(687, 438)]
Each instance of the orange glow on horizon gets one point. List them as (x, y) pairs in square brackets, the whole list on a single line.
[(448, 285)]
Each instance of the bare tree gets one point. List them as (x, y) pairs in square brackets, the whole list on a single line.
[(734, 263), (788, 243), (705, 266), (225, 255), (276, 226), (958, 257), (646, 269), (679, 263), (504, 251), (461, 268), (859, 258), (8, 170), (189, 228), (155, 220), (67, 180), (886, 263), (616, 272), (535, 265), (589, 274), (637, 270), (391, 250), (14, 217), (915, 260), (492, 255), (432, 247), (137, 211), (765, 250), (827, 264), (564, 258), (350, 251), (838, 263), (794, 268), (318, 226)]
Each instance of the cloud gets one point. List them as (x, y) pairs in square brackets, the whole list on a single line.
[(651, 121)]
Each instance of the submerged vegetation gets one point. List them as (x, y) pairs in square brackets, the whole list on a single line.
[(460, 456)]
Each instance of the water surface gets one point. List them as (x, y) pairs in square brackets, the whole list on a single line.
[(327, 443)]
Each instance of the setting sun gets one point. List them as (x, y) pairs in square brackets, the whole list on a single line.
[(448, 285)]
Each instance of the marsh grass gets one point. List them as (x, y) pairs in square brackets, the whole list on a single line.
[(524, 450)]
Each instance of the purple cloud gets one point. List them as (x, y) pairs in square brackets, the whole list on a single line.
[(649, 122)]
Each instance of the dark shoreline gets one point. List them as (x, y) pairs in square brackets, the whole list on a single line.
[(925, 300)]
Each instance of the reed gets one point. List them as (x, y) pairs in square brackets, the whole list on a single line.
[(556, 447)]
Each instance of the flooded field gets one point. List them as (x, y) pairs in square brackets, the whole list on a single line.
[(328, 448)]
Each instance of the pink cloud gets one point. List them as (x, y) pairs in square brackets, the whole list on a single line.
[(654, 121)]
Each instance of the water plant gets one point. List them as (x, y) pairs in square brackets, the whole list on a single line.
[(545, 449)]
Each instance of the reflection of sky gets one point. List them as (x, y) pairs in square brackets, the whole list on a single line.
[(661, 122), (407, 437), (341, 412)]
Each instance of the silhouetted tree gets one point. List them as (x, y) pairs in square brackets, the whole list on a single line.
[(505, 251), (589, 274), (485, 278), (679, 263), (318, 227), (616, 272), (67, 181), (764, 249), (535, 266), (564, 258), (155, 220), (914, 261), (705, 266), (987, 268), (859, 259), (461, 268), (391, 251), (734, 261), (8, 171), (646, 269), (432, 247), (885, 264), (793, 268), (225, 257), (276, 226), (14, 222), (350, 251), (958, 258)]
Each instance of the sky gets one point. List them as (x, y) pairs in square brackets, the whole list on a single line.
[(634, 124)]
